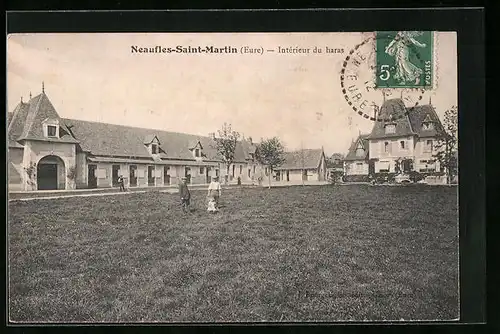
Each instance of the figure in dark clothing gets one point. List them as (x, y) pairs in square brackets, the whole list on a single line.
[(121, 183), (185, 195)]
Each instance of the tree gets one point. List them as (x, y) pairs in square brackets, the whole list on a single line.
[(225, 143), (271, 153), (447, 143)]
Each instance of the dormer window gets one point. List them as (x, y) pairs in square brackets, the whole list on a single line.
[(196, 148), (51, 128), (51, 131), (390, 128), (427, 126), (154, 148)]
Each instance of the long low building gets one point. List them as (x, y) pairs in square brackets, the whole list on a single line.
[(47, 152), (302, 165)]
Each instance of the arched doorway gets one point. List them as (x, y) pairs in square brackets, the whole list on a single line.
[(51, 173)]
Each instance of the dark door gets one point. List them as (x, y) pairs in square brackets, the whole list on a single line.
[(92, 178), (47, 176), (207, 175), (151, 176), (304, 175), (278, 175), (371, 167), (288, 175), (406, 165), (114, 174), (187, 174), (166, 175), (133, 176)]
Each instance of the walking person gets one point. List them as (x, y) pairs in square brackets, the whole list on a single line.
[(185, 195), (121, 183), (214, 192)]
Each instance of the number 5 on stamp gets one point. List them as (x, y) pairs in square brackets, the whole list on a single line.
[(404, 59)]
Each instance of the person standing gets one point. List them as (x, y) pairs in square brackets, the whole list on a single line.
[(214, 191), (121, 183), (185, 195)]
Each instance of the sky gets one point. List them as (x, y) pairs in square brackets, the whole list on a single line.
[(297, 97)]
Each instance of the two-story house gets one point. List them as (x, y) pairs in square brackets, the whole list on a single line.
[(46, 152), (405, 138)]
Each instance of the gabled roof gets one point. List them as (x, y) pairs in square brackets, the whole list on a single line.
[(421, 114), (362, 141), (149, 139), (27, 121), (194, 143), (248, 148), (303, 159), (392, 109)]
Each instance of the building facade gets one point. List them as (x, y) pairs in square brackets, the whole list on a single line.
[(303, 165), (356, 162), (47, 152)]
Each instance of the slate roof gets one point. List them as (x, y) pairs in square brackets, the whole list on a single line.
[(103, 139), (394, 108), (421, 114), (408, 121), (27, 120), (303, 159), (351, 154), (111, 140)]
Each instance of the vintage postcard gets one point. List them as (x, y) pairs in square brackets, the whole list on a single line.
[(232, 177)]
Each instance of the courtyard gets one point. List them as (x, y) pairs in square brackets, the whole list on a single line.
[(315, 253)]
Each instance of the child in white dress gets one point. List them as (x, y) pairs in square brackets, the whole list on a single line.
[(214, 192)]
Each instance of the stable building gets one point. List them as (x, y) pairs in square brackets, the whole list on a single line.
[(47, 152), (303, 165)]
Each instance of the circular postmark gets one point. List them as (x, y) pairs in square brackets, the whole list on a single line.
[(358, 81)]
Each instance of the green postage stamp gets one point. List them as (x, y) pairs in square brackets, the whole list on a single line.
[(404, 59)]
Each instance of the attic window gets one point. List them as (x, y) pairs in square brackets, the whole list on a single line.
[(197, 152), (427, 126), (154, 148), (390, 128), (51, 131), (360, 152)]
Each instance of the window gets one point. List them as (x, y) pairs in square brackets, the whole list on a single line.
[(241, 169), (360, 152), (390, 128), (197, 152), (249, 172), (387, 147), (427, 126), (428, 146), (402, 145), (202, 170), (154, 149), (266, 172), (359, 166), (51, 130)]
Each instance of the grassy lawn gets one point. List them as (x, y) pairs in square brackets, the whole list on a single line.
[(284, 254)]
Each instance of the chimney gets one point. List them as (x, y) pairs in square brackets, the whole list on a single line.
[(430, 100), (43, 87), (30, 95), (21, 99)]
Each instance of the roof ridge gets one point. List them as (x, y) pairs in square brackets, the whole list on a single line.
[(136, 127)]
